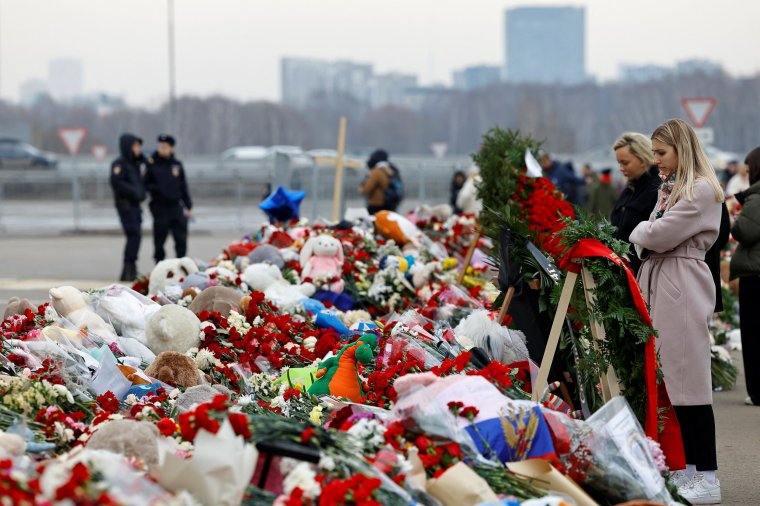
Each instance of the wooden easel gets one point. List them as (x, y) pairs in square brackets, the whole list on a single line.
[(609, 380)]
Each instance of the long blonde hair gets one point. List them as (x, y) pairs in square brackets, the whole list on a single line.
[(693, 164)]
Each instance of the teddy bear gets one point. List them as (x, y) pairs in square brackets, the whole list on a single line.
[(220, 299), (173, 328), (131, 438), (267, 278), (266, 253), (500, 343), (171, 271), (125, 309), (175, 369), (199, 394), (17, 306), (72, 304), (322, 258), (396, 227)]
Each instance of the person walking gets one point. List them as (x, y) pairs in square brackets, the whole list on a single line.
[(128, 193), (679, 287), (468, 200), (377, 183), (170, 202), (633, 152), (745, 265)]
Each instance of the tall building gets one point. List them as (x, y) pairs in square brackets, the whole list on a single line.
[(391, 89), (479, 76), (65, 78), (545, 45), (303, 79)]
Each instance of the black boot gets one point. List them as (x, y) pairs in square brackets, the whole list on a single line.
[(129, 273)]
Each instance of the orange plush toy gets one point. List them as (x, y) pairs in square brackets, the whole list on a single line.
[(394, 226)]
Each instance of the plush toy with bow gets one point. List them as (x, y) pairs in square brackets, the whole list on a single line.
[(322, 258), (338, 376)]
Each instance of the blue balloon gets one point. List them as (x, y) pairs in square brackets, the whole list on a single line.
[(282, 204)]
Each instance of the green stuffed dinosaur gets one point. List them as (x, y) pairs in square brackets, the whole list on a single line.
[(337, 376)]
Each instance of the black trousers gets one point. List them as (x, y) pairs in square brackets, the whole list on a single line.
[(698, 435), (131, 221), (749, 295), (168, 219)]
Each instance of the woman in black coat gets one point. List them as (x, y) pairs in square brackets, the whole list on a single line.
[(634, 205)]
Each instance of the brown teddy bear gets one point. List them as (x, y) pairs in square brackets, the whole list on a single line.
[(221, 299), (175, 369)]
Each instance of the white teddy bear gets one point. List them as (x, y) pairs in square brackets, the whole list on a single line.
[(173, 328), (71, 304), (500, 343), (170, 272), (267, 278)]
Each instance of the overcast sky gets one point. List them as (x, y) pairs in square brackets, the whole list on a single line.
[(233, 47)]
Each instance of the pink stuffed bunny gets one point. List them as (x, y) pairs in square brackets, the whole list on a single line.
[(321, 259)]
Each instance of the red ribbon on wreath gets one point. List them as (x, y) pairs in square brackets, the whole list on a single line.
[(657, 396)]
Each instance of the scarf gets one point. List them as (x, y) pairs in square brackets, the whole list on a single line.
[(668, 183)]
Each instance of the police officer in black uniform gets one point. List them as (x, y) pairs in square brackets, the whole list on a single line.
[(165, 180), (128, 192)]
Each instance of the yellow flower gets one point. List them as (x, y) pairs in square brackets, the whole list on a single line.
[(315, 416), (450, 263)]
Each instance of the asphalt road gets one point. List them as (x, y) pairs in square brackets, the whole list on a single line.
[(31, 264)]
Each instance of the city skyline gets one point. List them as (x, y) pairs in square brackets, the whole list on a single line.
[(234, 48)]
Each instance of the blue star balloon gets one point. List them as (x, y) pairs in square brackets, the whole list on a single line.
[(282, 205)]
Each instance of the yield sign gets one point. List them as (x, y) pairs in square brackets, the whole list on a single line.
[(72, 138), (698, 109), (99, 151)]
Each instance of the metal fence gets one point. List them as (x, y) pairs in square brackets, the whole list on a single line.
[(77, 196)]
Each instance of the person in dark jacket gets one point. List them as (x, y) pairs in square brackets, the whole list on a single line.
[(712, 257), (564, 178), (457, 182), (634, 205), (170, 202), (128, 192), (745, 265), (602, 197)]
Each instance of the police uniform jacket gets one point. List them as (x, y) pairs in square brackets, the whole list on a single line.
[(126, 182), (165, 180)]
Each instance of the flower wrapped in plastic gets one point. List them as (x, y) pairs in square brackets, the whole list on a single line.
[(609, 453), (451, 304)]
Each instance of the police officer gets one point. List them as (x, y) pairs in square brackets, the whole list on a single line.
[(165, 180), (128, 192)]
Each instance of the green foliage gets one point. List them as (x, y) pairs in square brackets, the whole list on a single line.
[(501, 159)]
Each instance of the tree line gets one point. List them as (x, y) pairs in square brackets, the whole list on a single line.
[(572, 119)]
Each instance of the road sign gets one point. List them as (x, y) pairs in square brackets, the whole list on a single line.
[(72, 138), (99, 151), (698, 109), (705, 135)]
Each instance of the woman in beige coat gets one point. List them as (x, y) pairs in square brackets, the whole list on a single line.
[(680, 289)]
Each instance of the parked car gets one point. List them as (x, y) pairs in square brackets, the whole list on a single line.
[(246, 153), (15, 154)]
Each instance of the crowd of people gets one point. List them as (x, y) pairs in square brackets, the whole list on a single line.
[(133, 177)]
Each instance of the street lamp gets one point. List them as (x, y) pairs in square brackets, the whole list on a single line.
[(172, 75)]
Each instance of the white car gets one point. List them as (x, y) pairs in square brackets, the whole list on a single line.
[(247, 153)]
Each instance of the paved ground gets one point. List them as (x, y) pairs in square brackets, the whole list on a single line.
[(30, 265)]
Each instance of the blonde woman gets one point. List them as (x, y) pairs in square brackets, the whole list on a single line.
[(633, 152), (677, 282)]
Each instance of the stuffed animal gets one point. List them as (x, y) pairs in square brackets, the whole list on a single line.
[(220, 299), (337, 376), (394, 226), (267, 254), (175, 369), (171, 271), (199, 280), (199, 394), (322, 258), (173, 328), (17, 306), (129, 438), (500, 343), (267, 278), (71, 304), (11, 445), (127, 310)]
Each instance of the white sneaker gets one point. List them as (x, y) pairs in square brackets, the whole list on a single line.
[(748, 401), (700, 491), (679, 478)]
